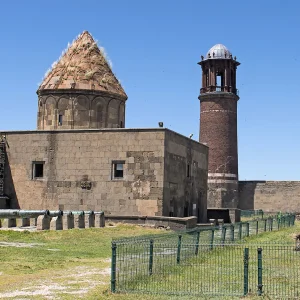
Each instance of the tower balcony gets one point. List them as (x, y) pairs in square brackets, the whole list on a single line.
[(219, 89)]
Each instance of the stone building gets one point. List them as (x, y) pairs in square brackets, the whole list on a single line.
[(82, 158)]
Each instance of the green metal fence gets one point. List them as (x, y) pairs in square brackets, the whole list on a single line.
[(252, 213), (208, 262), (248, 215)]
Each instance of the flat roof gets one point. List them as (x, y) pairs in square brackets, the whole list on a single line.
[(9, 132)]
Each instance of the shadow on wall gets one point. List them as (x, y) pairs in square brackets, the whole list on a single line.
[(9, 187), (246, 194)]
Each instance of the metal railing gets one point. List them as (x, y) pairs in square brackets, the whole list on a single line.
[(214, 88), (207, 261)]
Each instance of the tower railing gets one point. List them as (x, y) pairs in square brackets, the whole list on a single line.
[(218, 89)]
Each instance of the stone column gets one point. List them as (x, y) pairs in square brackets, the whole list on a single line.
[(99, 220), (90, 220), (68, 221), (43, 222), (25, 222), (8, 223), (79, 221), (56, 223)]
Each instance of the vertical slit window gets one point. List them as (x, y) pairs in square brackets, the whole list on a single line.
[(60, 120), (188, 171)]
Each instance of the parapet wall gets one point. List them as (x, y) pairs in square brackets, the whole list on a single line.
[(156, 221), (272, 196)]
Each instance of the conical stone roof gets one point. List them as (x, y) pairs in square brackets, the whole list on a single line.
[(82, 67)]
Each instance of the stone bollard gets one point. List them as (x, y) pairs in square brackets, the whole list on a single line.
[(79, 221), (68, 221), (99, 219), (43, 222), (89, 219), (8, 223), (18, 222), (25, 222), (213, 222), (33, 221), (220, 222), (56, 223)]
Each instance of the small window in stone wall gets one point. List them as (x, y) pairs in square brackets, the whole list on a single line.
[(188, 171), (60, 120), (38, 169), (118, 169)]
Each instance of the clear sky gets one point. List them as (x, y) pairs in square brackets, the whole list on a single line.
[(154, 47)]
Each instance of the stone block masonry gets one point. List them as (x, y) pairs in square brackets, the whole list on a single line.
[(272, 196), (119, 171)]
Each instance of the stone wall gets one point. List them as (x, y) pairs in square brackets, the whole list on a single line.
[(75, 110), (155, 221), (78, 169), (185, 180), (270, 196)]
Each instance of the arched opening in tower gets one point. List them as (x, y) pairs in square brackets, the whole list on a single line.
[(219, 80)]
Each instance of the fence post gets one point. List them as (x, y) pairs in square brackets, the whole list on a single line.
[(179, 248), (240, 230), (113, 267), (271, 224), (289, 220), (197, 243), (232, 232), (293, 220), (257, 227), (259, 269), (247, 228), (246, 270), (212, 239), (223, 234), (265, 225), (151, 257)]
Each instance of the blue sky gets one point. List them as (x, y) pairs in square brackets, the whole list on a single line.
[(154, 47)]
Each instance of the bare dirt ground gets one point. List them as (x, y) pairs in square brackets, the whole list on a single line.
[(76, 281)]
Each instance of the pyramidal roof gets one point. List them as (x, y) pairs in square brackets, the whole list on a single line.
[(82, 67)]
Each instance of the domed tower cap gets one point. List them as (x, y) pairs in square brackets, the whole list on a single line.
[(218, 51), (83, 66)]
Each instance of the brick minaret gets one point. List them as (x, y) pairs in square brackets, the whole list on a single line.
[(218, 125)]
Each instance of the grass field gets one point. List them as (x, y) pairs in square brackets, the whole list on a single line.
[(75, 264)]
